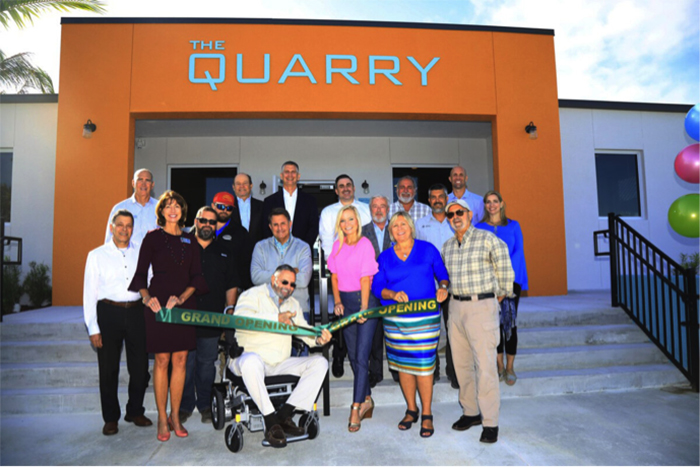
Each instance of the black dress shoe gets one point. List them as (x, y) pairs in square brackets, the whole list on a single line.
[(184, 415), (395, 375), (453, 382), (489, 435), (338, 369), (373, 380), (465, 422), (138, 420), (290, 428), (275, 436), (110, 428)]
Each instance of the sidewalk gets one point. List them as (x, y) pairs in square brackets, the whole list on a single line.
[(641, 427)]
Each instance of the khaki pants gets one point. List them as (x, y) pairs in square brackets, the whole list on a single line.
[(473, 330)]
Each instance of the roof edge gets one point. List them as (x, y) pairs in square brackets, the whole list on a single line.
[(612, 105), (28, 98)]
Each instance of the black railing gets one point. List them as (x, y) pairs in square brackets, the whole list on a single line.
[(656, 292)]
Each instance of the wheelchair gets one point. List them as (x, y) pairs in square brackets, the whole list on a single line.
[(230, 401)]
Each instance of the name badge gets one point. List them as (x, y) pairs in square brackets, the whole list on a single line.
[(184, 240), (227, 238)]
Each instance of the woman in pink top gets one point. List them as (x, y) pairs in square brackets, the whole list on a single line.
[(352, 266)]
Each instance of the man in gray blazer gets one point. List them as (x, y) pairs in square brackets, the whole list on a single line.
[(377, 233)]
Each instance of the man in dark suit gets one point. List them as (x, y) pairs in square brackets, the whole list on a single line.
[(377, 233), (301, 207), (248, 211)]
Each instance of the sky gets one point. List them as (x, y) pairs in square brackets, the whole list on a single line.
[(610, 50)]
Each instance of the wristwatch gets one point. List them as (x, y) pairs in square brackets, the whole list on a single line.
[(444, 286)]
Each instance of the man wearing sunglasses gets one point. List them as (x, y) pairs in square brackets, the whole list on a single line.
[(481, 275), (222, 279), (268, 354), (233, 236)]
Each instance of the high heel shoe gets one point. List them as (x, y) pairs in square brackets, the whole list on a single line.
[(367, 413), (406, 425), (179, 433), (163, 438), (426, 432), (354, 427)]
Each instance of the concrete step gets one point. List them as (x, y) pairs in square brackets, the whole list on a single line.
[(67, 351), (42, 331), (567, 336), (31, 375), (534, 383), (537, 318)]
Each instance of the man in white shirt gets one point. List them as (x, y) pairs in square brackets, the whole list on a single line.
[(267, 354), (458, 179), (345, 189), (406, 194), (114, 316), (141, 205), (248, 211)]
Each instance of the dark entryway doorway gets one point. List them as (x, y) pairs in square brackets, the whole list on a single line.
[(198, 185), (425, 178)]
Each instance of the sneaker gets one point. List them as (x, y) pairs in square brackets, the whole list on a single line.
[(206, 415), (489, 435), (466, 421)]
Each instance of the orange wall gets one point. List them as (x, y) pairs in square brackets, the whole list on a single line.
[(136, 70)]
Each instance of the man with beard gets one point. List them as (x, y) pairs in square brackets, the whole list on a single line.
[(406, 194), (436, 229), (234, 237), (377, 233), (141, 205), (268, 354), (345, 189), (481, 275), (222, 279), (458, 179)]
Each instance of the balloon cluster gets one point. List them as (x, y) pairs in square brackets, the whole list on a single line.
[(683, 214)]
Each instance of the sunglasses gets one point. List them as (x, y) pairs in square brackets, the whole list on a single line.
[(458, 212), (291, 284), (204, 221), (223, 207)]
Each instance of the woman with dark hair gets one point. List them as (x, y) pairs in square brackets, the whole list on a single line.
[(509, 231), (177, 275)]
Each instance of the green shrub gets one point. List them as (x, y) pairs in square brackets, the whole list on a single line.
[(37, 284), (690, 261), (11, 287)]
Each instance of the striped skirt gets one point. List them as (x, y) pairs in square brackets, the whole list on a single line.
[(411, 343)]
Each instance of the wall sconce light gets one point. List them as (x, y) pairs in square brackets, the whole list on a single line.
[(531, 130), (263, 187), (88, 129), (365, 187)]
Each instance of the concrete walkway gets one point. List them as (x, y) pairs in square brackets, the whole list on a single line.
[(641, 427)]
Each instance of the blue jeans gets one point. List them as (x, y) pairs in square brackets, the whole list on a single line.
[(200, 376), (358, 339)]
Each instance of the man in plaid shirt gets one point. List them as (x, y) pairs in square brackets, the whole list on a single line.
[(481, 275)]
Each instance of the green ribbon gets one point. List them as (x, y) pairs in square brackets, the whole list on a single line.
[(220, 320)]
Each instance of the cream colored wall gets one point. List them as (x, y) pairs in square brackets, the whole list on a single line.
[(29, 132), (320, 158)]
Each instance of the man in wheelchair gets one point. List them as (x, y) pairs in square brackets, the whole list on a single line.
[(268, 354)]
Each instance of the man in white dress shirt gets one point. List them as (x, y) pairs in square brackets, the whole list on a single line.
[(114, 316), (141, 205), (406, 194), (345, 189)]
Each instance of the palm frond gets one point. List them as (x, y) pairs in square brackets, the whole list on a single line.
[(18, 72), (22, 12)]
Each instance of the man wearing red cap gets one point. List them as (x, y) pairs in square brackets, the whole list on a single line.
[(233, 236)]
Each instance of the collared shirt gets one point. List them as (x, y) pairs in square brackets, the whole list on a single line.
[(282, 247), (326, 228), (218, 231), (108, 273), (417, 211), (221, 276), (432, 230), (477, 264), (244, 210), (290, 202), (380, 234), (475, 202), (145, 218)]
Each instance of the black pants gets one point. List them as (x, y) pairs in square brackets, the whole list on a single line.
[(119, 325), (512, 343), (376, 356), (449, 366)]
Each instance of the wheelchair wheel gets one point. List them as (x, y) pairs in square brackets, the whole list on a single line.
[(218, 409), (234, 438), (313, 428)]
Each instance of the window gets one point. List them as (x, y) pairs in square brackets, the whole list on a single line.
[(617, 175), (5, 186)]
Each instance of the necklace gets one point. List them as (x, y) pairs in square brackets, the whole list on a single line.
[(174, 254)]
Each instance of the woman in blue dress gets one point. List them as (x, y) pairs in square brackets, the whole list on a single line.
[(509, 231), (408, 271)]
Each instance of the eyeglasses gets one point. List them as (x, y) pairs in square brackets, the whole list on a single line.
[(291, 284), (223, 207), (458, 212), (204, 221)]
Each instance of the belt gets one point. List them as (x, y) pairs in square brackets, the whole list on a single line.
[(469, 298), (122, 304)]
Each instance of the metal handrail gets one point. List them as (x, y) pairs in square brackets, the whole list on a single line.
[(658, 294)]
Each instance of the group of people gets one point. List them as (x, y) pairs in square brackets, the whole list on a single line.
[(377, 253)]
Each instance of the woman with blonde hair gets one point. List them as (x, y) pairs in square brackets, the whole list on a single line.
[(352, 266)]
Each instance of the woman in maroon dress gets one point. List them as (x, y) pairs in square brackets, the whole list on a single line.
[(177, 275)]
